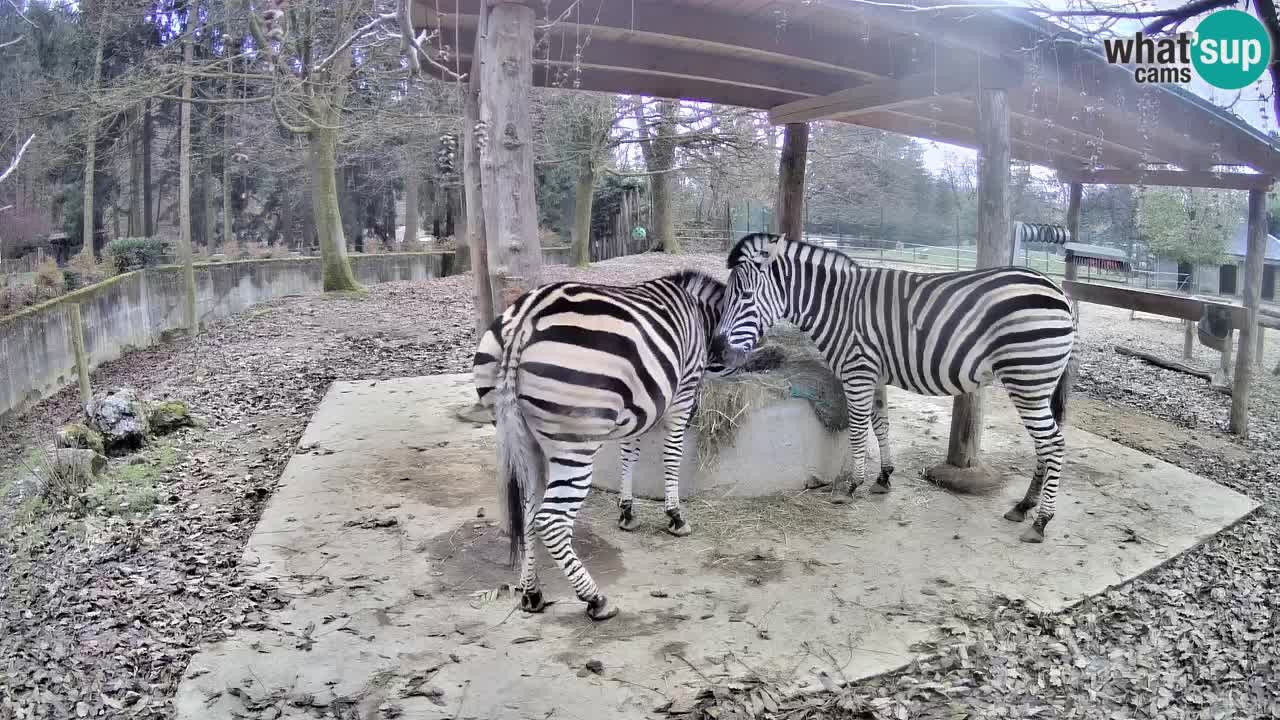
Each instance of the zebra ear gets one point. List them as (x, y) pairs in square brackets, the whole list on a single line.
[(775, 249)]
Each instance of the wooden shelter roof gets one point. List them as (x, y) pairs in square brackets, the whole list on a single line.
[(879, 64)]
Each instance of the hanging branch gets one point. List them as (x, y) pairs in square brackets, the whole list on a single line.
[(17, 158)]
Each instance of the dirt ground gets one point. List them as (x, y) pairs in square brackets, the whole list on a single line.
[(101, 613)]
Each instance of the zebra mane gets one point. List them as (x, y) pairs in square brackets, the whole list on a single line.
[(697, 283), (751, 247)]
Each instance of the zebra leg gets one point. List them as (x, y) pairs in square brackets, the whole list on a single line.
[(880, 423), (530, 589), (630, 451), (860, 400), (568, 483), (672, 453), (1050, 449), (1029, 500)]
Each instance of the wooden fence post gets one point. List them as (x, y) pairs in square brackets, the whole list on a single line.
[(1254, 258), (76, 330)]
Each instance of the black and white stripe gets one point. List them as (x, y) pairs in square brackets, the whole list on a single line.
[(933, 334), (569, 366)]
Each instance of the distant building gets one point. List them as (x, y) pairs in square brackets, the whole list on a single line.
[(1224, 279), (1098, 258)]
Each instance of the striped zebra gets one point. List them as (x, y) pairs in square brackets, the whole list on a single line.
[(933, 334), (571, 365)]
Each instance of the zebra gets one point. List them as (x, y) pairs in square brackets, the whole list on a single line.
[(570, 365), (933, 334)]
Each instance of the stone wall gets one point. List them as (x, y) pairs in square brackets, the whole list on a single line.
[(137, 309)]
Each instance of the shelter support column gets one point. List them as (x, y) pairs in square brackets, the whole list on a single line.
[(994, 248), (505, 52), (1073, 227), (795, 152), (1254, 258), (472, 192)]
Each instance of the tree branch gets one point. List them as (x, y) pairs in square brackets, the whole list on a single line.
[(7, 43), (17, 158), (1190, 10)]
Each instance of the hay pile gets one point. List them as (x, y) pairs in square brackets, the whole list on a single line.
[(786, 366)]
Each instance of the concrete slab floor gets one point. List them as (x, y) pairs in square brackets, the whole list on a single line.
[(374, 533)]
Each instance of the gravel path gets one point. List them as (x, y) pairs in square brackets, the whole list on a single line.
[(99, 615)]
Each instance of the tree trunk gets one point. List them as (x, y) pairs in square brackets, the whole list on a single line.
[(322, 152), (506, 159), (659, 149), (184, 195), (91, 154), (207, 231), (795, 151), (285, 236), (580, 254), (137, 210), (148, 214), (410, 200), (473, 201), (228, 228), (308, 240)]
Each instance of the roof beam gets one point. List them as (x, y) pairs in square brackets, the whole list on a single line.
[(881, 95), (617, 55), (1169, 178), (650, 22), (962, 135)]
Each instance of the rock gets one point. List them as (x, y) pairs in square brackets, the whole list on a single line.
[(77, 463), (80, 436), (121, 418), (167, 416)]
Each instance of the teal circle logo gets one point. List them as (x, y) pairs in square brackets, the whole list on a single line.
[(1232, 49)]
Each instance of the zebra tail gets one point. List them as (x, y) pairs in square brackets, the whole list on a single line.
[(1058, 404), (522, 470)]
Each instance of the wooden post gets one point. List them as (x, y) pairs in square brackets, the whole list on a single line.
[(1188, 338), (994, 248), (795, 151), (1254, 259), (1262, 337), (76, 330), (184, 196), (1073, 228), (473, 197), (506, 158)]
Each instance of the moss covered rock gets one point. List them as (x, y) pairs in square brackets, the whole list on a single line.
[(170, 415), (79, 436)]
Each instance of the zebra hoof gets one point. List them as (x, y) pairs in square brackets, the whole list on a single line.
[(679, 527), (878, 489), (1016, 515), (839, 498), (599, 609), (628, 523), (531, 601), (1032, 534)]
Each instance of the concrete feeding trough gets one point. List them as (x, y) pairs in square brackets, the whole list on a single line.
[(778, 426)]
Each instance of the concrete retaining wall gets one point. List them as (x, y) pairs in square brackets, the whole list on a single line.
[(136, 309)]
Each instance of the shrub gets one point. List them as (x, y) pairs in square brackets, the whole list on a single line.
[(549, 238), (373, 245), (135, 253), (49, 279), (87, 270)]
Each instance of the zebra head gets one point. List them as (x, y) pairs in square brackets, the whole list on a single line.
[(754, 298)]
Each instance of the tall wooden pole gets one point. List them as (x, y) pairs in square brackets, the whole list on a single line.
[(1254, 258), (506, 158), (994, 248), (473, 197), (795, 152), (76, 328), (1073, 228)]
